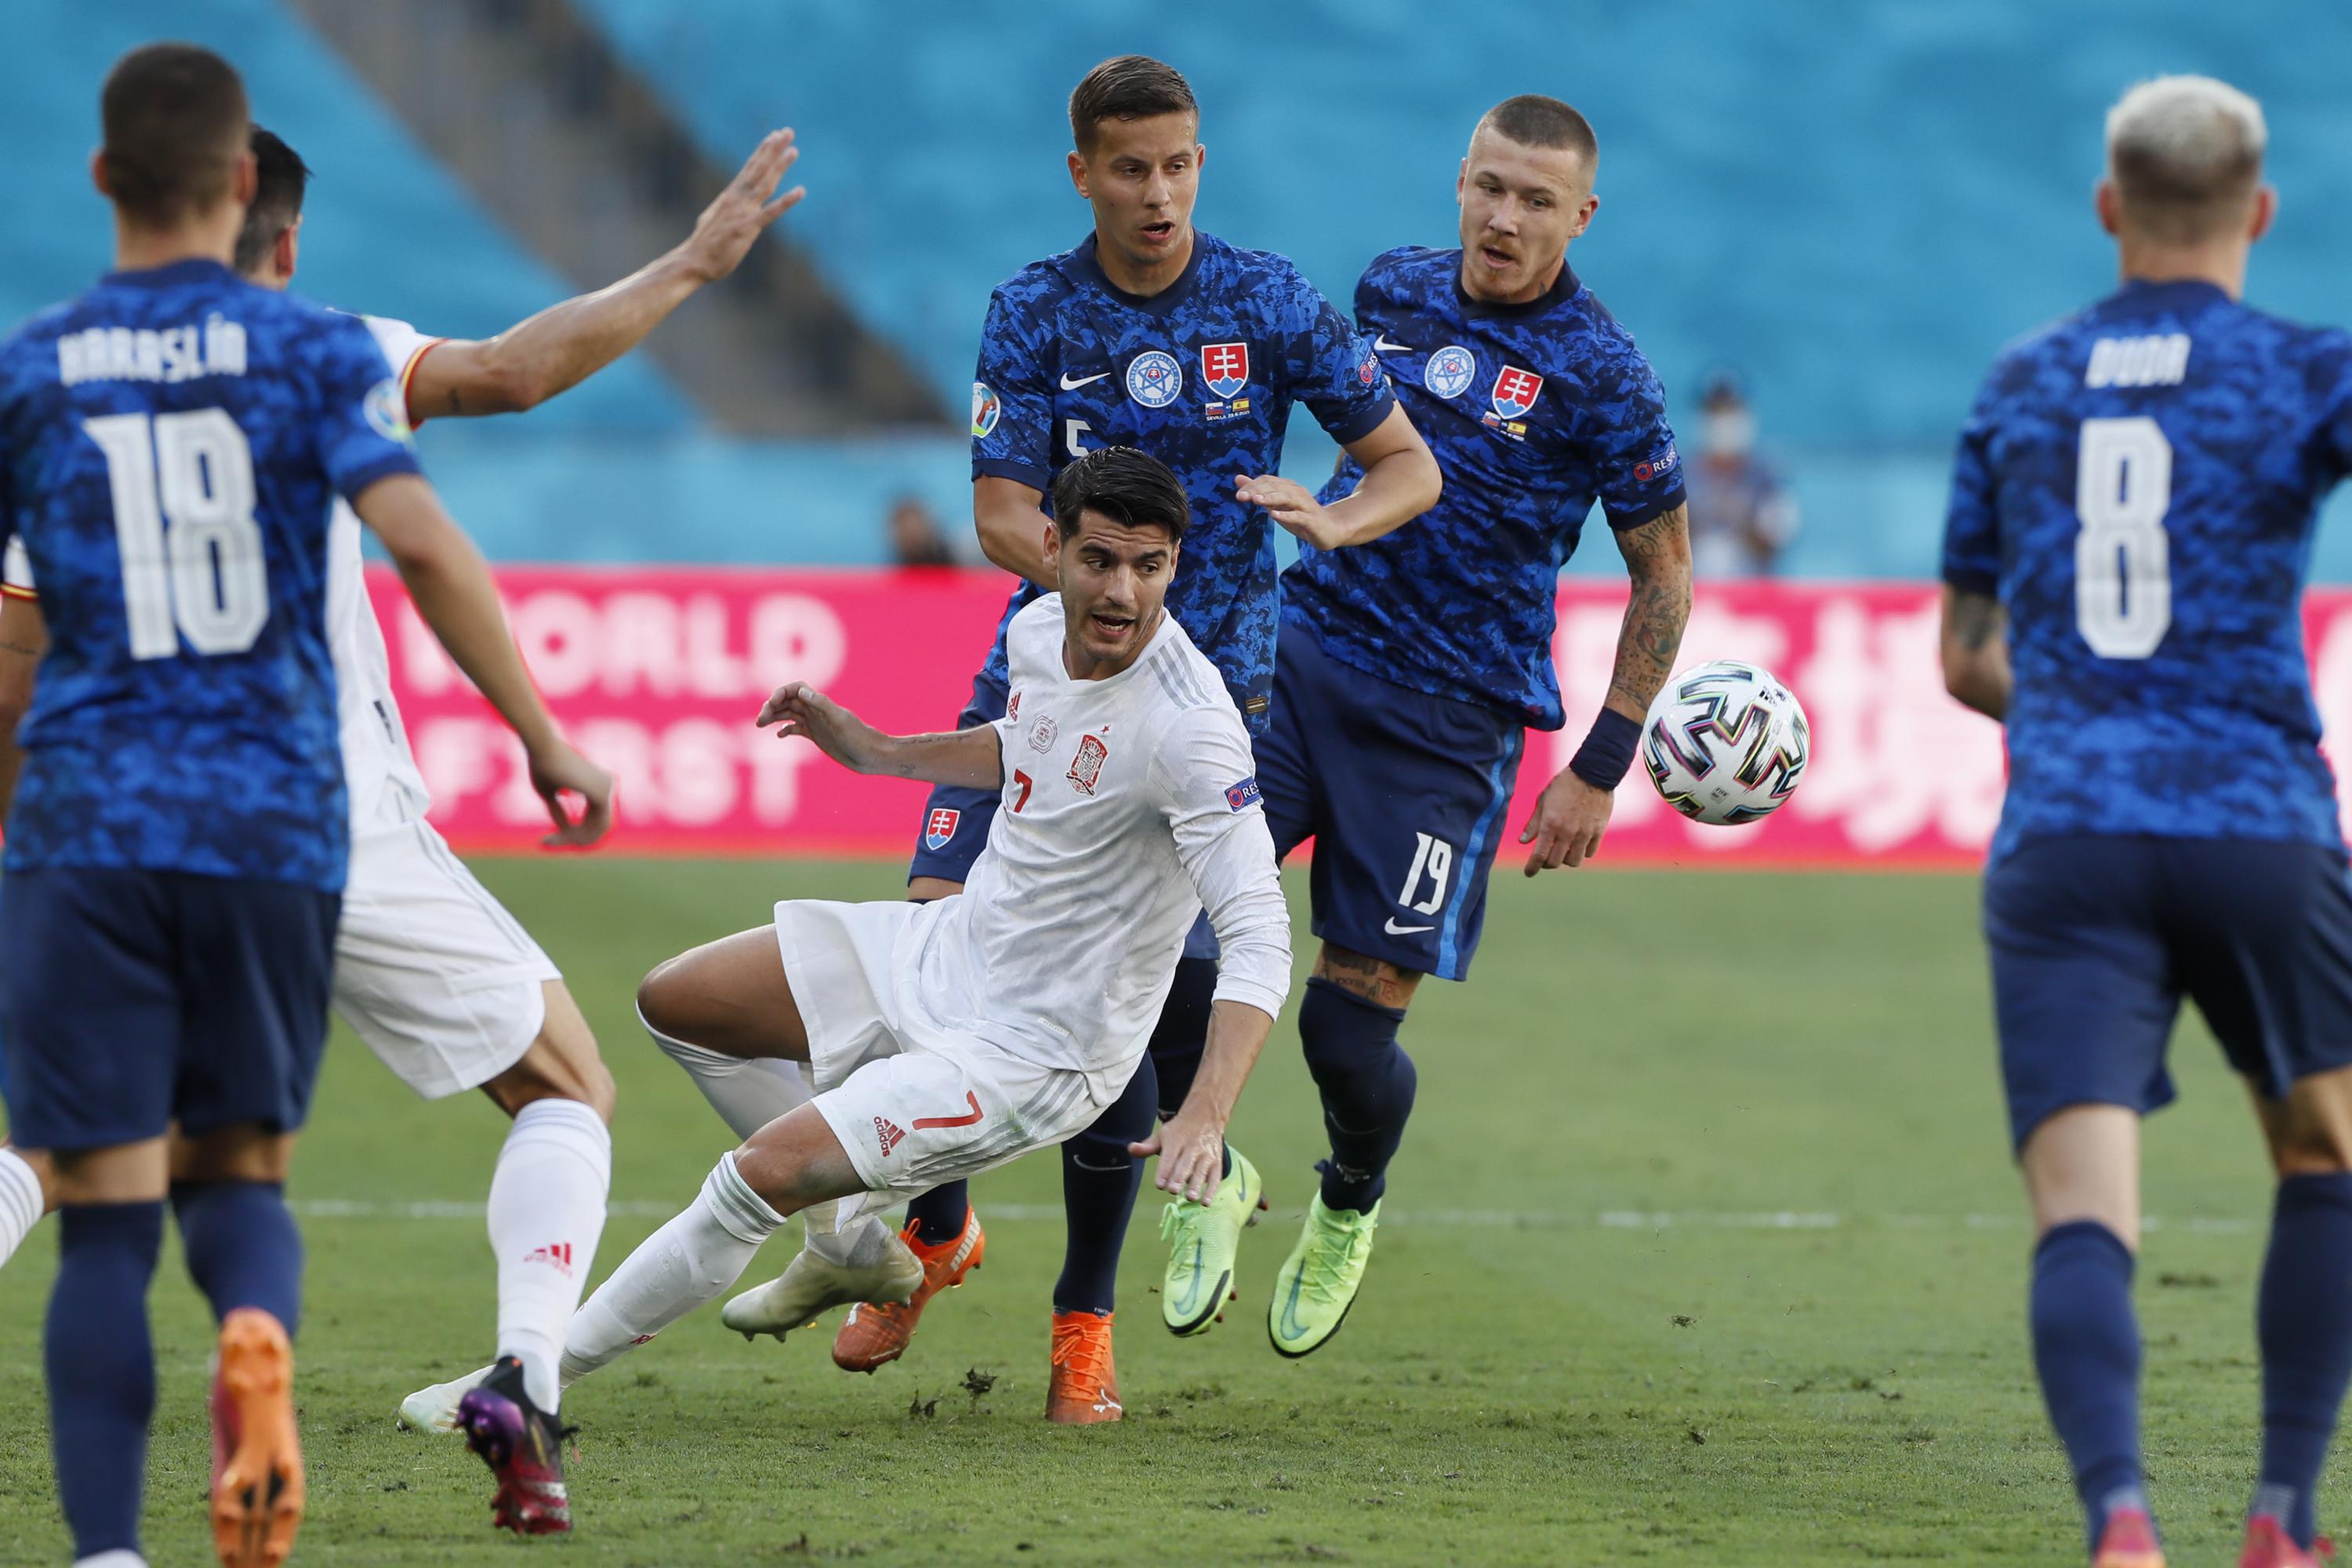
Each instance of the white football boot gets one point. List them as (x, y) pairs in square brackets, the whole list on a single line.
[(813, 1285), (434, 1409)]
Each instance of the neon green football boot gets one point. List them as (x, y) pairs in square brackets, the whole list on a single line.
[(1319, 1279), (1202, 1240)]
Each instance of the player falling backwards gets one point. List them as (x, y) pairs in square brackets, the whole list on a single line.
[(1410, 667), (430, 971), (1150, 334), (948, 1037), (2131, 517), (171, 444)]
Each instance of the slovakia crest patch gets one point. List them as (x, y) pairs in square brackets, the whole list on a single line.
[(1085, 768), (1224, 368), (1516, 391), (941, 828)]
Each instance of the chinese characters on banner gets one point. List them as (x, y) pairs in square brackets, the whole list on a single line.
[(657, 673)]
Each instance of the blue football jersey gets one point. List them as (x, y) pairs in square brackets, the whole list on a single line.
[(171, 444), (2138, 483), (1201, 376), (1533, 411)]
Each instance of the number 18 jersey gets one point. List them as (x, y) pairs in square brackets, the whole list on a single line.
[(2138, 483), (171, 445)]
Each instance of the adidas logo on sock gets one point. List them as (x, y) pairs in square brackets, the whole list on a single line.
[(557, 1253), (890, 1133)]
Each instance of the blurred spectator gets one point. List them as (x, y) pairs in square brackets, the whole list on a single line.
[(915, 536), (1742, 516)]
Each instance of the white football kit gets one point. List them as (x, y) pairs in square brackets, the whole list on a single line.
[(947, 1039), (431, 972)]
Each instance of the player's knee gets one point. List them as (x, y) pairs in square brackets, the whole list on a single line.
[(1351, 1044), (664, 998), (2322, 1149)]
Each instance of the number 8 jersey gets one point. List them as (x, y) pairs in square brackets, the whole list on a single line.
[(171, 445), (2138, 484)]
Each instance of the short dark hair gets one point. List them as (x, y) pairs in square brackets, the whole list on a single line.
[(1125, 485), (173, 119), (281, 180), (1531, 120), (1128, 87)]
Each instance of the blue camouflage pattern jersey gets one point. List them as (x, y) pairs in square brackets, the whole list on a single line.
[(1533, 411), (1201, 376), (2138, 484), (171, 444)]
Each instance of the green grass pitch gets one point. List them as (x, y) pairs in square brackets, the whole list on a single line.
[(1703, 1248)]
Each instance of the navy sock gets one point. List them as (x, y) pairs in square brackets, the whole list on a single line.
[(1100, 1181), (242, 1246), (1367, 1082), (1182, 1032), (2303, 1318), (2086, 1347), (939, 1214), (102, 1368)]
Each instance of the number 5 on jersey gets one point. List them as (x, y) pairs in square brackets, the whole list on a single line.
[(192, 557)]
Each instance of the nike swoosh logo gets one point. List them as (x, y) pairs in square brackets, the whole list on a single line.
[(1395, 930), (1382, 345), (1069, 385), (1289, 1327)]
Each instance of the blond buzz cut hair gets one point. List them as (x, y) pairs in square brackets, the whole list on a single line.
[(2185, 153)]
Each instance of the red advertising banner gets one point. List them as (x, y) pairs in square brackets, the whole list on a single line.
[(656, 672)]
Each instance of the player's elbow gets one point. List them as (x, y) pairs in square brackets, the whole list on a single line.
[(509, 386)]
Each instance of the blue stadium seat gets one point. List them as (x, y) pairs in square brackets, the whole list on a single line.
[(388, 230)]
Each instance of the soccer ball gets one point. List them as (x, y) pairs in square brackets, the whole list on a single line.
[(1725, 743)]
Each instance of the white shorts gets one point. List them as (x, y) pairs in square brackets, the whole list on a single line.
[(430, 971), (915, 1107)]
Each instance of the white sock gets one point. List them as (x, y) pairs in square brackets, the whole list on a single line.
[(841, 1233), (747, 1094), (118, 1558), (20, 1202), (547, 1213), (689, 1261)]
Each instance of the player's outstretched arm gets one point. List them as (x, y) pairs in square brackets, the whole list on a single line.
[(565, 344), (1975, 651), (974, 758), (451, 585), (1006, 513), (1203, 776), (1192, 1146), (1401, 481), (1573, 810), (23, 638)]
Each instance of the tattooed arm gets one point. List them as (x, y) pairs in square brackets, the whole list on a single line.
[(1658, 558), (1571, 815), (24, 637), (1975, 651)]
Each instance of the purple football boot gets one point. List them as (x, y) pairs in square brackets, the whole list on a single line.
[(523, 1446)]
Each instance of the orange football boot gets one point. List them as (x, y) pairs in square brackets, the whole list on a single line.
[(1085, 1386), (875, 1335), (258, 1459), (2128, 1541), (2268, 1545)]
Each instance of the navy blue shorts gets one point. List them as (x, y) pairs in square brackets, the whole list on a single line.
[(2096, 940), (956, 817), (1404, 795), (130, 1000)]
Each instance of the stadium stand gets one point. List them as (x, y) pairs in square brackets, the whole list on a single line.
[(1745, 221)]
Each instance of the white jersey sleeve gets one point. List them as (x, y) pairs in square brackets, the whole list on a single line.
[(17, 571), (404, 347), (1205, 782)]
